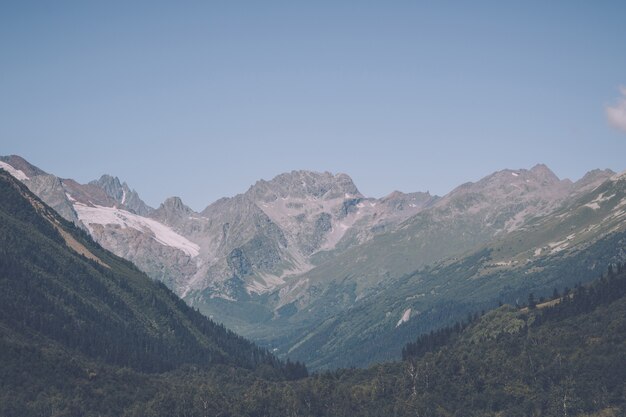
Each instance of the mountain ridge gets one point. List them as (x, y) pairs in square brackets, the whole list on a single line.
[(291, 252)]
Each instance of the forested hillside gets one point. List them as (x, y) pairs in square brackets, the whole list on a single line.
[(560, 358)]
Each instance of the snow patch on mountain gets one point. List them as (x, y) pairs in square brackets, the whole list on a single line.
[(593, 205), (16, 173), (90, 215), (405, 317), (561, 245), (602, 198)]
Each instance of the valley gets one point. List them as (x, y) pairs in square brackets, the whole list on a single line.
[(94, 336), (308, 267)]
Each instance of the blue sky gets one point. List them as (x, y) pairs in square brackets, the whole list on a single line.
[(201, 99)]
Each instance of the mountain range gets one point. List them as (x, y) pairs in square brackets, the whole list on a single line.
[(83, 332), (308, 266)]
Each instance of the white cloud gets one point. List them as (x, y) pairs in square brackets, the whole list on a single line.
[(617, 114)]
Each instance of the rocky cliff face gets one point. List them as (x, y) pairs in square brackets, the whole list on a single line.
[(122, 194), (280, 228)]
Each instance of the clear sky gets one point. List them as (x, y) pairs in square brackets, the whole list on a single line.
[(201, 99)]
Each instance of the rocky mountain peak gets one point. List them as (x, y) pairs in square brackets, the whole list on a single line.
[(510, 196), (19, 163), (395, 194), (112, 186), (122, 194), (175, 205), (542, 172), (592, 179), (595, 174), (519, 180), (172, 211), (305, 184)]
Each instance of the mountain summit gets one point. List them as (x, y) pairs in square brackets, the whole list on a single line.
[(303, 184), (122, 194)]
